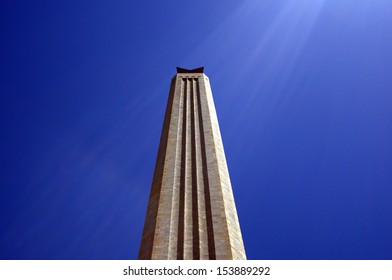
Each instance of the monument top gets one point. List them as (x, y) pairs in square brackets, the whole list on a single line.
[(196, 70)]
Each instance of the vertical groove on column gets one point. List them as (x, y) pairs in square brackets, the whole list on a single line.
[(207, 198), (181, 212), (195, 214), (188, 237)]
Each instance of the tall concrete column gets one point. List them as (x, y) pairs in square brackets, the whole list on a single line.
[(191, 212)]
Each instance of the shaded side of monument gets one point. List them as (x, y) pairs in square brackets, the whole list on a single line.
[(191, 212)]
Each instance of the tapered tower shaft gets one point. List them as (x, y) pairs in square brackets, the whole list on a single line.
[(191, 212)]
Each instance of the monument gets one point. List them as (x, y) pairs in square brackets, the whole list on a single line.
[(191, 212)]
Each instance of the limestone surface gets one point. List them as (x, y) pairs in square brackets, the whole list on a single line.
[(191, 212)]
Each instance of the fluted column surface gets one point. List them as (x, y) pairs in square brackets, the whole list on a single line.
[(191, 212)]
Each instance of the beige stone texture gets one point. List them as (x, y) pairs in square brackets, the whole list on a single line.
[(191, 212)]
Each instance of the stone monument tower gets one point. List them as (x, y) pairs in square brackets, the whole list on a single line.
[(191, 212)]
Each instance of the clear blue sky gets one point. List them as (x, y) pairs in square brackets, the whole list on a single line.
[(303, 92)]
